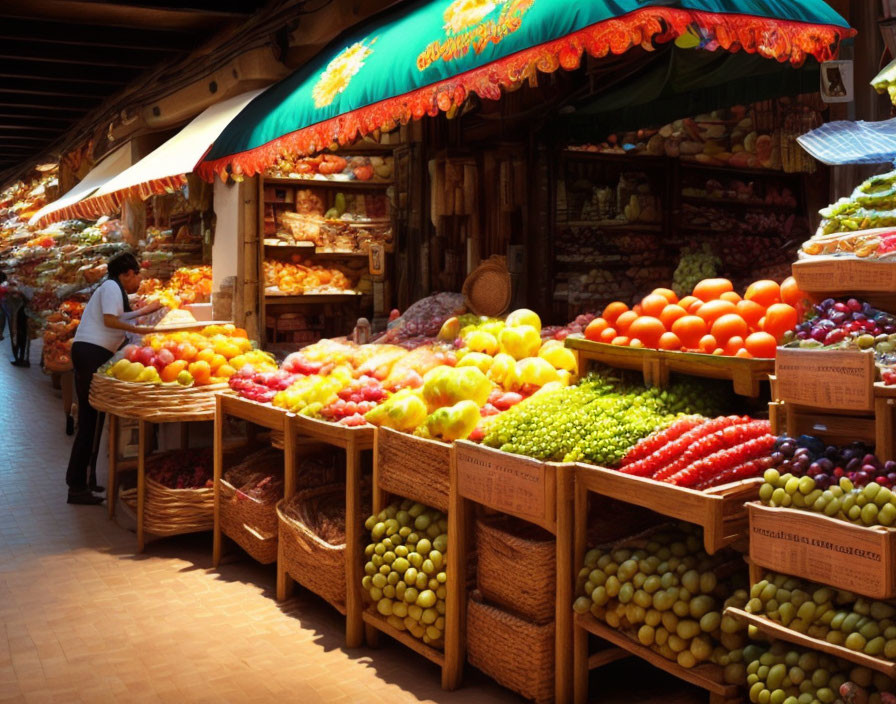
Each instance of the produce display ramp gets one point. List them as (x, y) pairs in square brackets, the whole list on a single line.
[(719, 511), (776, 631), (657, 365), (707, 676)]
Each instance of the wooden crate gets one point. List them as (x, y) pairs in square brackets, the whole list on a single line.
[(822, 549), (707, 676), (719, 511), (833, 277), (657, 365), (777, 631), (516, 485), (876, 427), (819, 378), (263, 414), (412, 467)]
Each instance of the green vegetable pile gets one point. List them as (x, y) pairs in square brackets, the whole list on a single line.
[(598, 420)]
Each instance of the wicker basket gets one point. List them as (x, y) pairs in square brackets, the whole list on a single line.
[(487, 288), (311, 561), (413, 467), (250, 523), (154, 402), (507, 548), (174, 511), (514, 652)]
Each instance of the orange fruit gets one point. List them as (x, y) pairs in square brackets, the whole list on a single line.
[(607, 334), (653, 305), (647, 329), (670, 314), (743, 352), (186, 351), (669, 341), (727, 326), (624, 320), (751, 312), (761, 344), (733, 345), (764, 292), (201, 372), (689, 330), (712, 289), (779, 318), (688, 301), (170, 372), (732, 296), (595, 328), (239, 332), (790, 292), (205, 355), (620, 340), (636, 343), (613, 311), (713, 310), (637, 309), (666, 293), (718, 352), (707, 344)]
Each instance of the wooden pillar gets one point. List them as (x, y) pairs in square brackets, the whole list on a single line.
[(247, 308)]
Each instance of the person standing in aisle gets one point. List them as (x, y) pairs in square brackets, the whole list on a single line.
[(100, 334), (3, 287), (16, 311)]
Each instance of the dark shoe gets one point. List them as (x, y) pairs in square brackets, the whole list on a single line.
[(84, 497), (69, 425), (97, 489)]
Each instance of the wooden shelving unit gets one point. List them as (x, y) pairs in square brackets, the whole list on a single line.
[(338, 312)]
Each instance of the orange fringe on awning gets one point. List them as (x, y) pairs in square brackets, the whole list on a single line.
[(782, 40)]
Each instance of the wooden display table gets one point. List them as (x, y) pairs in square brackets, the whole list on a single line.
[(354, 441), (527, 489), (148, 405), (658, 365), (256, 415), (422, 470)]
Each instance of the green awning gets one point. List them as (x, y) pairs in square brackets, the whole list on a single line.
[(426, 57)]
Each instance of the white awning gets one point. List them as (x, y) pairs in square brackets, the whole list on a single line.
[(61, 208), (164, 170)]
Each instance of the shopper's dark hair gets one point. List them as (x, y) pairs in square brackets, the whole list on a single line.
[(121, 264)]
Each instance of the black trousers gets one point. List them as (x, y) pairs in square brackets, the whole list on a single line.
[(18, 338), (86, 359)]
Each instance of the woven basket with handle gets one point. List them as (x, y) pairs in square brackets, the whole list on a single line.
[(311, 561), (514, 652), (250, 523)]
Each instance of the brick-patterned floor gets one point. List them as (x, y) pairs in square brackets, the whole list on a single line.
[(85, 619)]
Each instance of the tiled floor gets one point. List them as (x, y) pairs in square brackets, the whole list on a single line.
[(85, 619)]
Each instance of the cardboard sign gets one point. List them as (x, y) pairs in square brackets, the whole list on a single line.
[(826, 378), (832, 275), (515, 485), (823, 550)]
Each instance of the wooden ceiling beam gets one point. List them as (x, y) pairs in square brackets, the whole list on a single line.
[(51, 32), (84, 55), (37, 70)]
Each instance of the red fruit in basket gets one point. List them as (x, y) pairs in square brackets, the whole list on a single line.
[(131, 352), (165, 356), (145, 356), (507, 400)]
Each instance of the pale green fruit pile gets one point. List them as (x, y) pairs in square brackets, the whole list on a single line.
[(405, 573)]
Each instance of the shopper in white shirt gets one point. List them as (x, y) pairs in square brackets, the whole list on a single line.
[(100, 334)]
